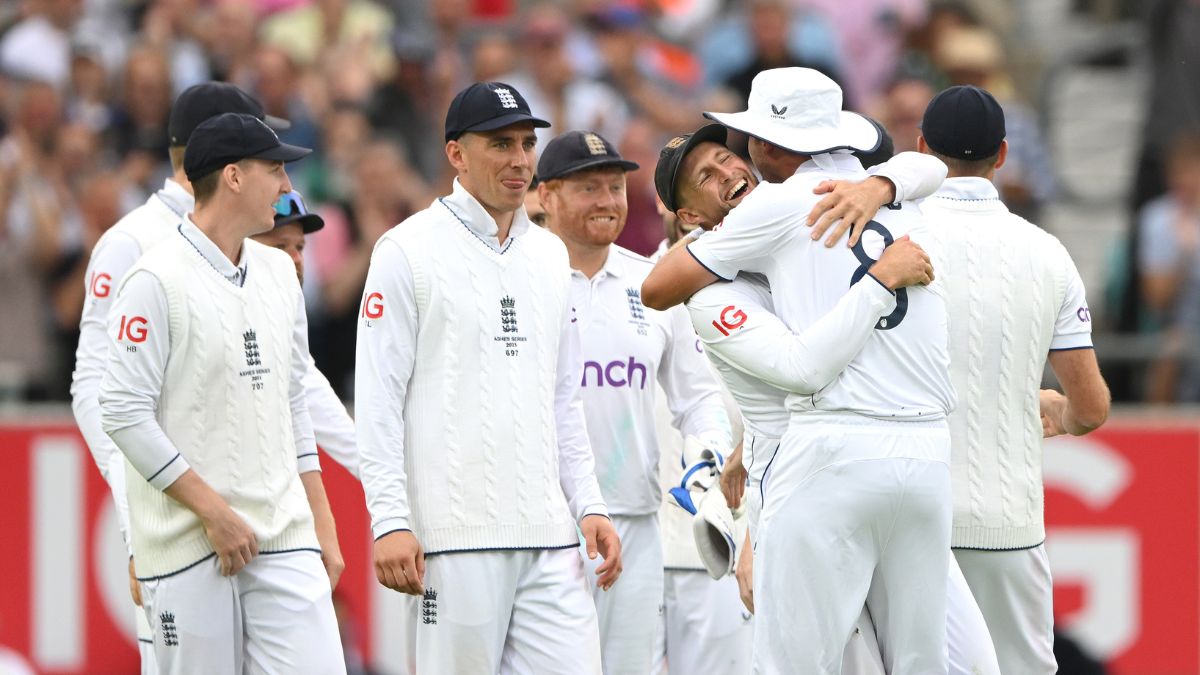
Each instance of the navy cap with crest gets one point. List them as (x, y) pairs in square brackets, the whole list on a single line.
[(964, 122), (485, 106), (666, 173), (231, 137), (578, 151), (209, 99)]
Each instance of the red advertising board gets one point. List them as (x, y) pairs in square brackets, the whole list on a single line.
[(1123, 534)]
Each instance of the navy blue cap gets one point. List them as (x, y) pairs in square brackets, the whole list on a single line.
[(485, 106), (964, 122), (578, 151), (666, 173), (230, 138), (209, 99)]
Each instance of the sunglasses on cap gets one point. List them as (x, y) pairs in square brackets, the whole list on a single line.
[(291, 204)]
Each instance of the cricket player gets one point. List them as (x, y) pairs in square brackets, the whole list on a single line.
[(760, 350), (629, 352), (118, 249), (475, 458), (1014, 296), (864, 460), (204, 396)]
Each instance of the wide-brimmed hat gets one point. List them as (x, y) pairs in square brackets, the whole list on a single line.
[(800, 109)]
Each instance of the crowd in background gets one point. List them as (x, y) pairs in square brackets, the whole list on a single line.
[(87, 85)]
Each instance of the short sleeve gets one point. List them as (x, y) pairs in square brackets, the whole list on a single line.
[(1073, 326)]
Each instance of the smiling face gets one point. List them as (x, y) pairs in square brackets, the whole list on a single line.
[(587, 208), (496, 166), (712, 181)]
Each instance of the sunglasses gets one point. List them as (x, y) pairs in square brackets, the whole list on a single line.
[(291, 204)]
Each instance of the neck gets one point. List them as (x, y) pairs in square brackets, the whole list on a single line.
[(587, 259), (221, 228), (180, 177)]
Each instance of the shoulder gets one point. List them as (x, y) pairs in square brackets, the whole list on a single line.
[(419, 228), (545, 243), (774, 201), (637, 265)]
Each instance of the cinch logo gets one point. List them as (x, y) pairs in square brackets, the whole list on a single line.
[(1084, 314), (133, 329), (731, 319), (373, 306), (615, 373), (101, 285)]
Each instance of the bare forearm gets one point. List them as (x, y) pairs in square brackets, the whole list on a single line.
[(318, 502), (191, 491)]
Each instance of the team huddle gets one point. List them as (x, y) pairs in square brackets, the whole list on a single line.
[(876, 337)]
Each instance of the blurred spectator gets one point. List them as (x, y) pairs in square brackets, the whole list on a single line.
[(39, 47), (553, 89), (87, 99), (727, 46), (901, 109), (643, 225), (872, 35), (404, 107), (657, 83), (230, 36), (34, 234), (307, 31), (770, 23), (1173, 105), (975, 56), (172, 26), (384, 191), (277, 87), (493, 57), (139, 124), (1169, 259)]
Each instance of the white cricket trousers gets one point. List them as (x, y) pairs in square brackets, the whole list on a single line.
[(705, 628), (509, 611), (274, 616), (628, 613), (1016, 595), (145, 642), (838, 533)]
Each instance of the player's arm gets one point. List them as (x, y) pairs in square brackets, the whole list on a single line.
[(139, 343), (577, 463), (744, 241), (674, 279), (693, 395), (1086, 402), (307, 460), (332, 425), (384, 359), (110, 261), (108, 265), (755, 341), (850, 205)]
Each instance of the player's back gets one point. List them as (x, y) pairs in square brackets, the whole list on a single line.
[(903, 371)]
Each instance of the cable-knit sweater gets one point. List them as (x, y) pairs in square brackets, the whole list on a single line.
[(1013, 294)]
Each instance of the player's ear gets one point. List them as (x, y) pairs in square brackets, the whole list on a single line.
[(1001, 156), (454, 153), (922, 146), (689, 217)]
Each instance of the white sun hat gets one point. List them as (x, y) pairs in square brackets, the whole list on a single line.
[(800, 109)]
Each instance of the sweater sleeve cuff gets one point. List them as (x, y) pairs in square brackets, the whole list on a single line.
[(595, 510), (881, 284), (389, 525), (308, 462), (169, 473)]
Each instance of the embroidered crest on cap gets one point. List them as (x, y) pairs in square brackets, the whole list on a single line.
[(594, 144), (506, 97)]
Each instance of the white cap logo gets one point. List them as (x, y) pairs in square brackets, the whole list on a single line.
[(506, 97), (594, 144)]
